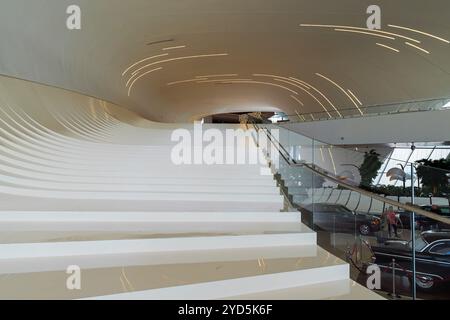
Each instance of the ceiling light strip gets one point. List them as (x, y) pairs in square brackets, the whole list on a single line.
[(387, 47), (300, 82), (180, 58), (265, 83), (298, 100), (342, 89), (290, 80), (160, 41), (301, 117), (364, 32), (318, 101), (326, 98), (218, 75), (221, 80), (297, 82), (182, 81), (139, 77), (271, 76), (145, 59), (362, 29), (420, 32), (309, 86), (174, 48), (297, 85), (355, 97), (418, 48)]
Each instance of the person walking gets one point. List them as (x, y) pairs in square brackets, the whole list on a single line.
[(391, 218)]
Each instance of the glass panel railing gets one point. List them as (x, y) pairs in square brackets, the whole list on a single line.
[(356, 227), (373, 233), (386, 171), (432, 251)]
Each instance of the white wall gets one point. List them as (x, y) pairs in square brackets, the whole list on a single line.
[(433, 126)]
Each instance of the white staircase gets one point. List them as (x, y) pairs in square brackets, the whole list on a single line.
[(80, 187)]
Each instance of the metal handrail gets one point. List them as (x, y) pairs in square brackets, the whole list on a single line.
[(327, 176), (290, 204), (406, 207), (327, 144)]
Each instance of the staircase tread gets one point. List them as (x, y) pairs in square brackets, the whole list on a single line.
[(140, 279), (334, 290)]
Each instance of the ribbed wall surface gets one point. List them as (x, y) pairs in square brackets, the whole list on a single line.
[(86, 183)]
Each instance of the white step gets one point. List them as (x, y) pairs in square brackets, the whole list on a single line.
[(235, 273), (320, 268), (141, 221), (143, 196), (39, 257), (333, 290), (124, 187), (29, 203), (21, 227), (262, 180)]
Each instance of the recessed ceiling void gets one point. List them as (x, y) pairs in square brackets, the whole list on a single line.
[(175, 61)]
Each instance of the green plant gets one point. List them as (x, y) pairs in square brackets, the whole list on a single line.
[(369, 168), (432, 173)]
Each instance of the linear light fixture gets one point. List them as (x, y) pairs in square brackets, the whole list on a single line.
[(145, 59), (417, 47), (264, 83), (182, 81), (220, 80), (325, 97), (296, 82), (298, 100), (160, 41), (362, 29), (300, 82), (292, 83), (318, 101), (267, 75), (301, 117), (364, 32), (286, 79), (420, 32), (296, 111), (387, 47), (180, 58), (308, 86), (355, 97), (342, 89), (218, 75), (140, 76), (174, 48)]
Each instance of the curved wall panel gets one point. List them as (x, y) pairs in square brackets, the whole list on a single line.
[(57, 145)]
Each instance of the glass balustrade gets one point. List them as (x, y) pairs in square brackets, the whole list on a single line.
[(407, 245)]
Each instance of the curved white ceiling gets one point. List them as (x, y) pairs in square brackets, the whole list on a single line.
[(259, 45)]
